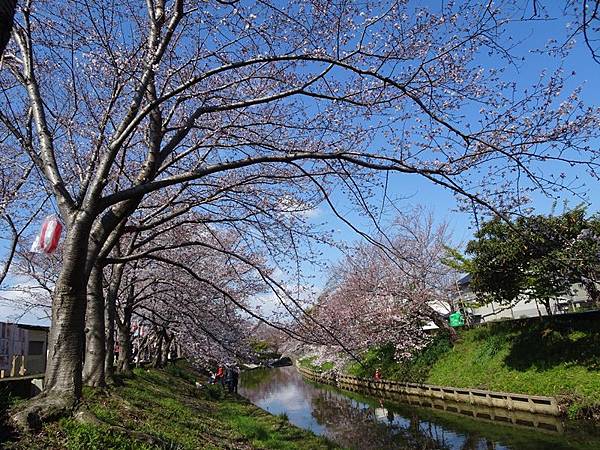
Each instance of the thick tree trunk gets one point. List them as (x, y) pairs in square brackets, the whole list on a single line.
[(63, 382), (95, 334), (124, 361), (7, 13), (63, 371)]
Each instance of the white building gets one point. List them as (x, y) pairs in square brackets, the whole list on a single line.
[(523, 308)]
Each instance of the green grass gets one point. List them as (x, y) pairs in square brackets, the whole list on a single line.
[(309, 363), (415, 370), (531, 357), (557, 356), (264, 350), (166, 404)]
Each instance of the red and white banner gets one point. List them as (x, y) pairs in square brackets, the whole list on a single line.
[(47, 240)]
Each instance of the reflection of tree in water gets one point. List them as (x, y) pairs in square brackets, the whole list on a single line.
[(259, 384), (254, 379), (361, 422), (355, 425)]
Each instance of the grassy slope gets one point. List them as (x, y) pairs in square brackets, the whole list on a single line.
[(533, 357), (309, 363), (166, 404), (556, 357)]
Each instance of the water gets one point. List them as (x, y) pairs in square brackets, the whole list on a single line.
[(364, 423)]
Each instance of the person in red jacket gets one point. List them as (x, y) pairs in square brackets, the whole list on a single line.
[(377, 376), (220, 376)]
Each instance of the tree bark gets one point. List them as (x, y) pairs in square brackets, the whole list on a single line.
[(124, 361), (63, 381), (110, 313), (167, 340), (65, 342), (547, 306), (95, 333), (592, 290), (7, 13), (158, 357), (442, 324)]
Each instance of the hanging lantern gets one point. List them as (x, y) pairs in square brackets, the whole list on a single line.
[(47, 240)]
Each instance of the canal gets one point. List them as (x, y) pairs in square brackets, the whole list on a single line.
[(363, 423)]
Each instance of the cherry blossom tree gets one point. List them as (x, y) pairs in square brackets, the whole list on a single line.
[(130, 99), (380, 295), (194, 292)]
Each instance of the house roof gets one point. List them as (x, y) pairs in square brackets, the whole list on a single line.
[(29, 327), (465, 281)]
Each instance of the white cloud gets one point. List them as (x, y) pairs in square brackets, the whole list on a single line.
[(24, 302)]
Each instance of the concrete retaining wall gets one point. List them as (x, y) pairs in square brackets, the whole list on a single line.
[(533, 404), (25, 386)]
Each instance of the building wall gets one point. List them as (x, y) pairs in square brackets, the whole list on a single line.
[(30, 343), (36, 351), (12, 342), (526, 307)]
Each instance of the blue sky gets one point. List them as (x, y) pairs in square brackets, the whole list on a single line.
[(584, 74), (443, 202)]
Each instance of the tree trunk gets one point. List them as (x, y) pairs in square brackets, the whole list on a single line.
[(7, 13), (442, 324), (546, 303), (124, 362), (63, 371), (110, 313), (95, 333), (109, 357), (166, 348), (592, 290), (63, 382), (158, 360), (141, 351)]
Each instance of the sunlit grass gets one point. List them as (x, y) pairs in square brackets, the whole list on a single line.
[(166, 404)]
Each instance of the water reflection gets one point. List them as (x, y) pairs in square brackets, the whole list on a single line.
[(363, 423)]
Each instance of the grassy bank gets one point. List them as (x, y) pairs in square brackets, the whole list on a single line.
[(309, 363), (163, 409), (557, 356)]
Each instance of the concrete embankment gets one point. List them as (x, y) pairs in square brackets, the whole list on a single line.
[(528, 410)]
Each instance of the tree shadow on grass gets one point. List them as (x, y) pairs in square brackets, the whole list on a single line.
[(542, 344), (7, 432)]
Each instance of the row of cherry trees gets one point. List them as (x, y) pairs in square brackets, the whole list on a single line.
[(183, 145)]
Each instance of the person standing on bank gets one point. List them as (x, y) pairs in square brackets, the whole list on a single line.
[(377, 376), (229, 378), (220, 375), (235, 380)]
